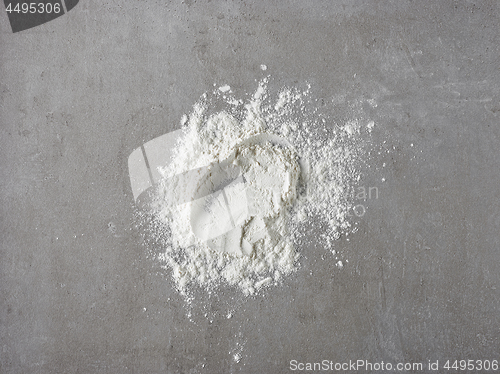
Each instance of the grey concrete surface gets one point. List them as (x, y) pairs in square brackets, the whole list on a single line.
[(78, 291)]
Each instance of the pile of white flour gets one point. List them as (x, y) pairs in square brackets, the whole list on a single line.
[(256, 173)]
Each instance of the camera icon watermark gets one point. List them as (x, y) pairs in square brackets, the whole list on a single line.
[(221, 197)]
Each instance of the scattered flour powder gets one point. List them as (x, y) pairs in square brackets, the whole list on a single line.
[(255, 173)]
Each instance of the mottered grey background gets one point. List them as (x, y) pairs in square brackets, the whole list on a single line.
[(77, 94)]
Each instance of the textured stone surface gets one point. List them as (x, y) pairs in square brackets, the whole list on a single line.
[(78, 94)]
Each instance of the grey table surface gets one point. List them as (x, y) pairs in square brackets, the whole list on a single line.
[(77, 94)]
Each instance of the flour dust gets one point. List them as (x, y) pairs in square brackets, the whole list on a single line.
[(244, 180)]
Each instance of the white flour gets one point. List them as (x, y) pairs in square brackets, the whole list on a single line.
[(255, 174)]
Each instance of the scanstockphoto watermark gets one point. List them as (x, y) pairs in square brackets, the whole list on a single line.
[(359, 196), (360, 366)]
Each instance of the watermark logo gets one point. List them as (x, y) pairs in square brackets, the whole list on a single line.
[(25, 15), (219, 196), (360, 195)]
